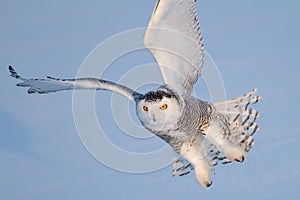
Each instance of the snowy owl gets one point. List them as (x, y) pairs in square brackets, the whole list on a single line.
[(202, 133)]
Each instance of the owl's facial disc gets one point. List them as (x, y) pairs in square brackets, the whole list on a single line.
[(158, 110), (154, 113)]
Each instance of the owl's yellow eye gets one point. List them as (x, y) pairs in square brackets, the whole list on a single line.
[(145, 108), (164, 107)]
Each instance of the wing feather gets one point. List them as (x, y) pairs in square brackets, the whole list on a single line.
[(174, 38), (50, 84)]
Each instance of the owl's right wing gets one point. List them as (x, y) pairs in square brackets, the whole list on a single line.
[(50, 84), (174, 38)]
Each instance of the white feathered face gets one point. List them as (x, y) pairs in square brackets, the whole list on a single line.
[(158, 110)]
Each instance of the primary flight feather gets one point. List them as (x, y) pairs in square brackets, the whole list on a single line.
[(201, 133)]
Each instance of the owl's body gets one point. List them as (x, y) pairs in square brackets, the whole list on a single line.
[(201, 134)]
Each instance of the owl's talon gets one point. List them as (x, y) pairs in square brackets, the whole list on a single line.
[(207, 184), (240, 160)]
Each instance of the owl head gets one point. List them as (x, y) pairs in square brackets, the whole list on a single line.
[(159, 110)]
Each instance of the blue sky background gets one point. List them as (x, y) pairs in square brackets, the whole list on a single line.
[(254, 43)]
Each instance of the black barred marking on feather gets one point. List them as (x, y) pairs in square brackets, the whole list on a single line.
[(254, 130), (250, 124), (250, 111), (216, 157), (185, 173), (257, 99), (251, 142), (60, 79), (13, 72), (246, 107), (247, 118), (226, 162), (221, 158), (242, 141), (255, 117), (23, 85), (184, 167), (181, 167), (236, 117)]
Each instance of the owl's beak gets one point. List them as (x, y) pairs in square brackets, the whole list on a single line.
[(153, 118)]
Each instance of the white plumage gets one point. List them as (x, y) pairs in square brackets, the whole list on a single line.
[(174, 38), (202, 134)]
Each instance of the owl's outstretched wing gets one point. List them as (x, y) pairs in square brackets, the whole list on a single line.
[(174, 38), (50, 84)]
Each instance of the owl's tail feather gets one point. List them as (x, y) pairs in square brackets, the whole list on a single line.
[(241, 119)]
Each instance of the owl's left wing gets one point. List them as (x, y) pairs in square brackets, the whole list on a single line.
[(174, 38), (50, 84)]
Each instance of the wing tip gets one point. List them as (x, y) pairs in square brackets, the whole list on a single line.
[(13, 72), (52, 78), (31, 91)]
